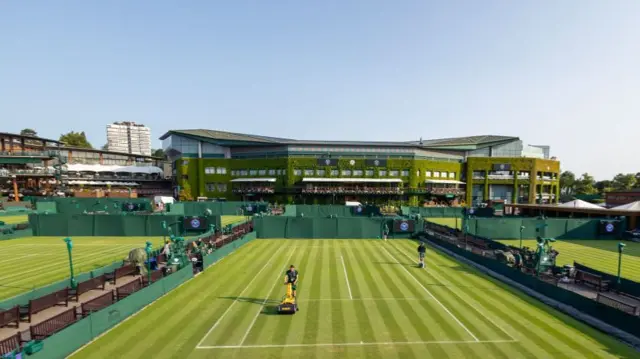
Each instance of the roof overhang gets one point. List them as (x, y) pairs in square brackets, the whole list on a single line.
[(271, 180), (444, 181), (353, 180)]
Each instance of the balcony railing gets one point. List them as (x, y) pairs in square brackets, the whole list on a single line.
[(43, 154), (5, 172), (501, 177), (453, 191), (347, 190), (254, 190)]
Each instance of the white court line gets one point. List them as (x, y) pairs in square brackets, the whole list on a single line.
[(253, 322), (346, 277), (356, 299), (236, 300), (355, 344), (441, 280), (432, 296)]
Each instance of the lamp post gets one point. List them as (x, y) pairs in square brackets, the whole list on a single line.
[(466, 230), (521, 230), (620, 248), (72, 280), (148, 250)]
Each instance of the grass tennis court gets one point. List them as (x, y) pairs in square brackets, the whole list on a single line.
[(38, 261), (226, 220), (358, 299), (598, 254), (449, 222), (23, 218)]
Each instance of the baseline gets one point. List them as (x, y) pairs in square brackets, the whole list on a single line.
[(265, 346)]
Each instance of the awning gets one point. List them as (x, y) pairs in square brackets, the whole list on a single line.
[(444, 181), (254, 180), (354, 180)]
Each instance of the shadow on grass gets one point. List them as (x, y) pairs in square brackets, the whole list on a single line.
[(259, 301)]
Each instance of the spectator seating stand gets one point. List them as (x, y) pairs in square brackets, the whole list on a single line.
[(88, 285), (45, 302), (593, 279), (123, 271), (98, 303), (10, 316)]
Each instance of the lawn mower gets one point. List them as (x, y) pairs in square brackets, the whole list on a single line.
[(288, 304)]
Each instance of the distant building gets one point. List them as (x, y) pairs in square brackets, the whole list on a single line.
[(618, 198), (129, 137)]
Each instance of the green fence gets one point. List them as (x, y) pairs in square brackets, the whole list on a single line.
[(67, 341), (226, 249), (322, 227), (76, 205), (440, 212), (607, 314), (509, 228), (60, 224), (216, 208)]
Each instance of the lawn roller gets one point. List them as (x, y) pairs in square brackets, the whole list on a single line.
[(288, 304)]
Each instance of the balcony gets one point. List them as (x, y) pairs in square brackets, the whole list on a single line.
[(250, 190), (34, 172), (501, 177), (445, 191), (36, 154), (353, 190)]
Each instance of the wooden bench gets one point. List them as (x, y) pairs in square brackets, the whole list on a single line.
[(88, 285), (128, 269), (618, 303), (53, 325), (10, 316), (155, 276), (128, 289), (593, 279), (98, 303), (10, 344), (45, 302)]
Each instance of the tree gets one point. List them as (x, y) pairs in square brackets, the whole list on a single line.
[(585, 185), (567, 183), (105, 147), (624, 181), (75, 139), (604, 186), (29, 132), (157, 153)]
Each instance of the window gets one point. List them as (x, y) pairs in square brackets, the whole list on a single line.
[(452, 175), (368, 173), (418, 173), (234, 173), (222, 187), (278, 172), (272, 172), (209, 170), (244, 172), (253, 172), (382, 173), (320, 172), (357, 173), (185, 162), (436, 174), (284, 172), (221, 171), (297, 172), (427, 173), (405, 173), (308, 172), (334, 172), (262, 172), (346, 172), (393, 173), (210, 187)]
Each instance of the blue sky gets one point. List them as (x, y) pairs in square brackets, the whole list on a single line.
[(562, 73)]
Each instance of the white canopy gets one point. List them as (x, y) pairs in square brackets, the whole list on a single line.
[(444, 181), (99, 183), (578, 203), (354, 180), (633, 206), (253, 180), (112, 168)]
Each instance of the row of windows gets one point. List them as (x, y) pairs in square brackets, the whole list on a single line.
[(215, 170), (334, 172), (259, 172), (215, 187)]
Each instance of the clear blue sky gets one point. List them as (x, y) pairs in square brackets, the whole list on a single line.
[(562, 73)]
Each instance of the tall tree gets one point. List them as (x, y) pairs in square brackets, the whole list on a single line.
[(75, 139), (624, 181), (29, 132), (604, 186), (157, 153), (585, 184), (567, 183)]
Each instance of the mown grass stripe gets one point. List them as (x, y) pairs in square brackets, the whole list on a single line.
[(545, 332), (337, 313), (392, 328)]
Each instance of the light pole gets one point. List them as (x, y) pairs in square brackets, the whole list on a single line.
[(620, 248), (72, 280), (148, 250), (521, 230), (466, 230)]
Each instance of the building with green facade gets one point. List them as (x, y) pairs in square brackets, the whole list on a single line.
[(476, 169)]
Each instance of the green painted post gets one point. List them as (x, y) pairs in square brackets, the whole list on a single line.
[(620, 248), (72, 280), (164, 237), (148, 250), (521, 229), (540, 251), (466, 230)]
